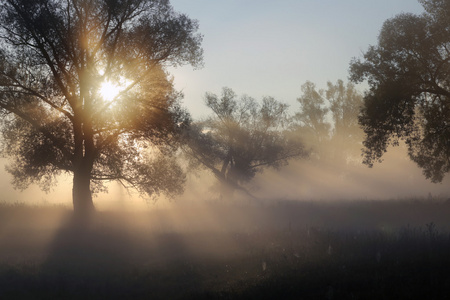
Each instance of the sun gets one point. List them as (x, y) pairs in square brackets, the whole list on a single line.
[(109, 91)]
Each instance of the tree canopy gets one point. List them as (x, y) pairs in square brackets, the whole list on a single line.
[(241, 138), (409, 98), (345, 103), (55, 57), (328, 120), (312, 114)]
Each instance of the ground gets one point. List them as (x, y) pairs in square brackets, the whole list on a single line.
[(396, 249)]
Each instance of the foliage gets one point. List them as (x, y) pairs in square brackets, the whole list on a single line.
[(313, 112), (345, 104), (328, 120), (312, 116), (54, 58), (242, 138), (409, 98)]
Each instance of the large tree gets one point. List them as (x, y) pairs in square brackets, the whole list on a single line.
[(241, 138), (83, 89), (409, 98)]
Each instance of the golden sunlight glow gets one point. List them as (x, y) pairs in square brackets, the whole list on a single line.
[(109, 90)]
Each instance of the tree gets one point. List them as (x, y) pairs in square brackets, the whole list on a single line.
[(313, 127), (242, 138), (328, 120), (57, 58), (409, 98), (345, 104)]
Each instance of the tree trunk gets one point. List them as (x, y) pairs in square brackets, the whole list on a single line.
[(226, 190), (81, 192)]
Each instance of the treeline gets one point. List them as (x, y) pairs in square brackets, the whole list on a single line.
[(243, 136)]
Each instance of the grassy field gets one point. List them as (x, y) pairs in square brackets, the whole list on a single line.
[(397, 249)]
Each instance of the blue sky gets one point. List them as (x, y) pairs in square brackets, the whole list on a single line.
[(270, 48)]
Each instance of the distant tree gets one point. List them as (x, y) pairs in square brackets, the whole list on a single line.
[(328, 120), (313, 127), (56, 60), (409, 98), (242, 138), (345, 103)]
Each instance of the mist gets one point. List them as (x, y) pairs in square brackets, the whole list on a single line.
[(313, 214), (311, 179), (397, 177)]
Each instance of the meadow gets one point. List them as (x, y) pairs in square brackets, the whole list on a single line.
[(393, 249)]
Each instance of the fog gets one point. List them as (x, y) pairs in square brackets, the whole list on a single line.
[(305, 180), (302, 221), (395, 178)]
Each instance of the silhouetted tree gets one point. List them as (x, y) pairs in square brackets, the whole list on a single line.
[(54, 58), (409, 98), (242, 138)]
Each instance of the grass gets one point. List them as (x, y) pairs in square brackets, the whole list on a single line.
[(285, 250)]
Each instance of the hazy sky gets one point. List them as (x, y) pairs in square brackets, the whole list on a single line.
[(270, 48)]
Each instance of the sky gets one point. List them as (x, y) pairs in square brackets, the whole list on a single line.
[(270, 48)]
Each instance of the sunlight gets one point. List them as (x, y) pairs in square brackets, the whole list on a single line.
[(109, 90)]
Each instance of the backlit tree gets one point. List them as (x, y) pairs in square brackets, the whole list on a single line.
[(241, 138), (83, 89)]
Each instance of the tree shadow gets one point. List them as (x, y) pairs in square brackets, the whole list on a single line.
[(97, 258), (84, 259), (86, 244)]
